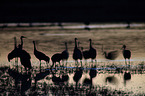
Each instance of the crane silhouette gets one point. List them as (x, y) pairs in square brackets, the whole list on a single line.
[(41, 56), (77, 76), (24, 55), (85, 54), (92, 51), (20, 46), (77, 54), (112, 55), (56, 58), (14, 52), (65, 54), (126, 54)]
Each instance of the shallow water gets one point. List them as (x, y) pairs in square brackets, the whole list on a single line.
[(52, 41), (136, 85)]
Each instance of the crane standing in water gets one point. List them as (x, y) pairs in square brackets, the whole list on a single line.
[(112, 55), (92, 51), (25, 57), (65, 54), (41, 56), (126, 54), (77, 54), (14, 53)]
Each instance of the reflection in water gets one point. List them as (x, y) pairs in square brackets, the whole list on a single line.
[(61, 81), (111, 79), (77, 76), (127, 76)]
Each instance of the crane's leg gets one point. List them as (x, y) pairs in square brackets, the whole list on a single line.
[(129, 62), (52, 64), (125, 62), (76, 85), (85, 62), (16, 62), (81, 63), (40, 65), (92, 61), (47, 64), (59, 64), (95, 61), (66, 63), (76, 62), (62, 62)]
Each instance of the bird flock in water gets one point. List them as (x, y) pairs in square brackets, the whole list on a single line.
[(78, 54)]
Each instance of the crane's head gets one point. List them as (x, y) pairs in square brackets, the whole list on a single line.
[(104, 53), (33, 42), (124, 46), (22, 37), (76, 39), (65, 43), (90, 39)]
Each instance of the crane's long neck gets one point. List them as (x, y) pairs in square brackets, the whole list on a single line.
[(106, 55), (34, 46), (66, 46), (22, 42), (75, 43), (90, 44), (15, 43)]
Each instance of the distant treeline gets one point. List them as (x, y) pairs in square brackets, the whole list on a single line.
[(72, 11)]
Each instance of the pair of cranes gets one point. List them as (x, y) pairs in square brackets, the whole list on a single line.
[(19, 52), (77, 54)]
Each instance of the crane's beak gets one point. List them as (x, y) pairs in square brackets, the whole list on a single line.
[(121, 48), (24, 37)]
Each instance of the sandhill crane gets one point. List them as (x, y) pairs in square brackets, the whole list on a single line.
[(56, 58), (65, 54), (112, 55), (77, 75), (39, 55), (77, 54), (126, 54), (25, 59), (20, 46), (92, 51), (24, 55), (14, 53), (85, 54)]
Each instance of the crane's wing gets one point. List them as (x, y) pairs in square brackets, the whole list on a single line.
[(113, 55)]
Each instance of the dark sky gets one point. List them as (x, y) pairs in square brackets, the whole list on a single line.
[(72, 10)]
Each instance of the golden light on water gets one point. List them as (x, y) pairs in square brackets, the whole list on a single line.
[(51, 40)]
